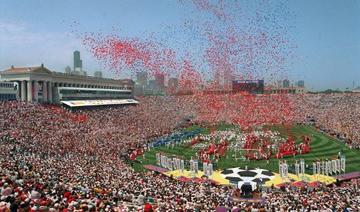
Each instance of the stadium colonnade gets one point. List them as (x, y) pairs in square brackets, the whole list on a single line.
[(39, 84)]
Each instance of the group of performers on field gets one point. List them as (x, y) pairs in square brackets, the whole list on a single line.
[(262, 149), (217, 150), (256, 148), (290, 148)]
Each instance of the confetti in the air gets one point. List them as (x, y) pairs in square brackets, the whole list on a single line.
[(234, 43)]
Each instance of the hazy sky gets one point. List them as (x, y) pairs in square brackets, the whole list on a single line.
[(326, 33)]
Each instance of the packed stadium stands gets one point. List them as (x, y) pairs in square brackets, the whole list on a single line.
[(51, 161)]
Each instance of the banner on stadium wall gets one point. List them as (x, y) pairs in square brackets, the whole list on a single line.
[(314, 168), (302, 166), (84, 103), (329, 167), (208, 169), (283, 169), (194, 166), (182, 165), (297, 168), (342, 162), (338, 166), (158, 159), (333, 162), (326, 168)]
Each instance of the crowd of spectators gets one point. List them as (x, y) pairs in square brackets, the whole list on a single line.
[(335, 114), (52, 163)]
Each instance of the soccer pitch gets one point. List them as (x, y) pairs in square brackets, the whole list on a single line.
[(322, 147)]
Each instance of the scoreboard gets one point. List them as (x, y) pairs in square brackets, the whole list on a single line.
[(251, 86)]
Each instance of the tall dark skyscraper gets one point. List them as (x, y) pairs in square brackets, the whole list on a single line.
[(77, 61)]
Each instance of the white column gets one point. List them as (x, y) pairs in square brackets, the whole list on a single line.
[(23, 90), (45, 91), (36, 91), (18, 91), (49, 87), (30, 91)]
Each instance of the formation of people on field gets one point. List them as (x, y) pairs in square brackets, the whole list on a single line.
[(52, 162)]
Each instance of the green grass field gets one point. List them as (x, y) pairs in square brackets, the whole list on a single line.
[(322, 147)]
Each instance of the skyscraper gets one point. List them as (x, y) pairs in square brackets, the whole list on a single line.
[(301, 83), (173, 83), (141, 78), (160, 82), (77, 61), (286, 83), (152, 85)]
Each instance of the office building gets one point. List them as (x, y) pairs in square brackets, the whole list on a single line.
[(77, 61), (159, 82), (300, 83), (286, 83), (173, 84), (141, 78)]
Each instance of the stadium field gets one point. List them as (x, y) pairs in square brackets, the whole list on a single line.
[(322, 147)]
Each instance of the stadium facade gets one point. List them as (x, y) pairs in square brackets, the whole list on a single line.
[(284, 90), (8, 91), (39, 84)]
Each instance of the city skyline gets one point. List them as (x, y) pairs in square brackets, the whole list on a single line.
[(326, 35)]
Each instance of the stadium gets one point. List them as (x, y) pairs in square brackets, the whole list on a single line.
[(54, 157), (176, 137)]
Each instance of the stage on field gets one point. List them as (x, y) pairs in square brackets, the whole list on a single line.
[(254, 177)]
